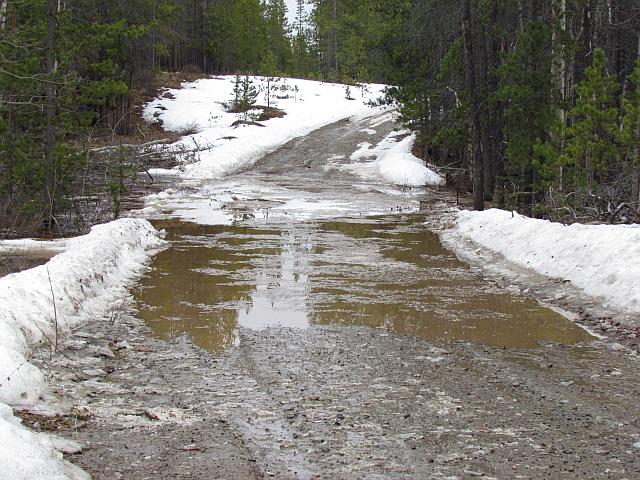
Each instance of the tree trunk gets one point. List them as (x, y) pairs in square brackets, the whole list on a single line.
[(487, 154), (3, 14), (635, 180), (559, 68), (498, 107), (584, 54), (474, 113), (50, 113), (335, 35)]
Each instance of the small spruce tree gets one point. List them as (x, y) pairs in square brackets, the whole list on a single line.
[(237, 94), (245, 95), (268, 68), (592, 144)]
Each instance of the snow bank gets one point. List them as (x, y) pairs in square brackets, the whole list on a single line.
[(26, 455), (392, 161), (602, 260), (219, 149), (29, 246), (86, 280), (399, 166)]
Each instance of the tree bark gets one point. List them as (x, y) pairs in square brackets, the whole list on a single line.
[(50, 113), (335, 34), (478, 182), (584, 54), (635, 180), (3, 14), (559, 67), (487, 154)]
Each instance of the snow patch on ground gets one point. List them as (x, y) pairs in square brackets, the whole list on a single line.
[(85, 280), (219, 148), (601, 260), (399, 166), (26, 246), (392, 161), (26, 455)]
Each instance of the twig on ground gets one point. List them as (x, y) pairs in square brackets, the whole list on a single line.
[(55, 312)]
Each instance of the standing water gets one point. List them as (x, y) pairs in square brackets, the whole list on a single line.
[(384, 272), (299, 240)]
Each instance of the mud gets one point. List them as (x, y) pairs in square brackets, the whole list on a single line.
[(288, 344), (346, 402)]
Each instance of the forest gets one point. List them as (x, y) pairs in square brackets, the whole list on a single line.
[(532, 105)]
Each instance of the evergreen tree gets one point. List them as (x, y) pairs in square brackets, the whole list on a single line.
[(527, 90), (269, 70), (245, 95), (278, 34), (237, 34), (301, 42), (592, 146), (631, 130)]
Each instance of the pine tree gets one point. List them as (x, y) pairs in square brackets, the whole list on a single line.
[(631, 130), (301, 41), (592, 145), (527, 91), (236, 34), (245, 95), (278, 33)]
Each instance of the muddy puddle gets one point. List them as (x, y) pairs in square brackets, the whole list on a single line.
[(387, 273)]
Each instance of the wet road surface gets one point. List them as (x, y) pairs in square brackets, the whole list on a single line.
[(304, 323), (303, 241)]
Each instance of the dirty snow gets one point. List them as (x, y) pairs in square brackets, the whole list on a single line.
[(391, 161), (601, 260), (29, 246), (219, 148), (86, 280), (26, 455)]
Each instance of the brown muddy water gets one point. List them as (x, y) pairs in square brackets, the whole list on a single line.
[(387, 273)]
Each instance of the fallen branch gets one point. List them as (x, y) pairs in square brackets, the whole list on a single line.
[(55, 312), (110, 148)]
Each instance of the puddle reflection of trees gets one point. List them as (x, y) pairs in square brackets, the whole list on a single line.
[(195, 286), (392, 276)]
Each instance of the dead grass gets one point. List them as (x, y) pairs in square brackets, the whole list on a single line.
[(42, 423), (270, 112)]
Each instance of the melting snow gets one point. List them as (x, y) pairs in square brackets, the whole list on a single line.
[(219, 148), (602, 260), (392, 161), (86, 278)]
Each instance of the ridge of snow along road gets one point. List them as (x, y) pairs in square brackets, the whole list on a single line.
[(219, 148), (87, 278), (601, 260), (392, 161)]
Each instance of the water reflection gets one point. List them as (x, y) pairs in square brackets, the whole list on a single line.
[(394, 276)]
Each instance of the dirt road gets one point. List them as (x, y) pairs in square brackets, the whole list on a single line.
[(303, 337)]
